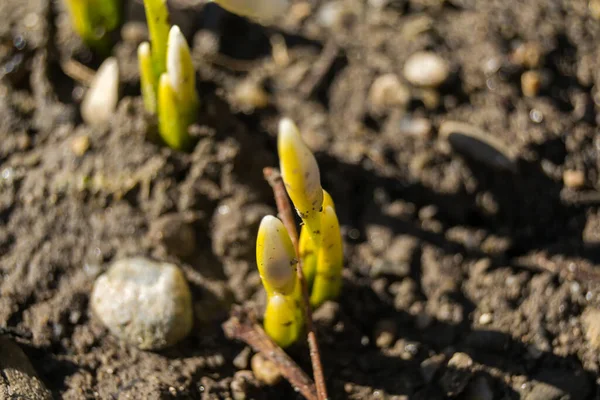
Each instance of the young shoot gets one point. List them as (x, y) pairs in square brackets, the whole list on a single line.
[(177, 98), (275, 258), (301, 176), (320, 243), (308, 250), (260, 10), (147, 79), (95, 20), (157, 16), (280, 320), (328, 278), (152, 57)]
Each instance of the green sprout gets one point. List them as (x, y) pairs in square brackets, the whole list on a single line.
[(167, 77), (147, 81), (157, 17), (95, 20), (177, 98), (152, 57), (319, 248), (301, 176)]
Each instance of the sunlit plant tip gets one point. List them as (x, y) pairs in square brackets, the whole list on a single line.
[(147, 78), (157, 16), (280, 320), (275, 257), (301, 176), (181, 70), (177, 98), (94, 20)]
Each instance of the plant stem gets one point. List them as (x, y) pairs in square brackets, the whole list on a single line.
[(242, 326), (273, 176)]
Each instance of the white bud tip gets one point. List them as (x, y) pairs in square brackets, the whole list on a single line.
[(176, 46), (144, 49), (101, 99), (287, 127), (277, 252)]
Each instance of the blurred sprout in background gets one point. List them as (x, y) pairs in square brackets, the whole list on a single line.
[(95, 20)]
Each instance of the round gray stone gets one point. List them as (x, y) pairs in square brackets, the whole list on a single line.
[(144, 302)]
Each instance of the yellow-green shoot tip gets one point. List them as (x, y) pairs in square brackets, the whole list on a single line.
[(147, 78), (281, 322), (301, 176), (275, 257)]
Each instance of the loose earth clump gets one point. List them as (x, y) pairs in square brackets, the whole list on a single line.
[(465, 276)]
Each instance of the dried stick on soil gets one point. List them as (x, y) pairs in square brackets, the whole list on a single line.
[(273, 176), (242, 326)]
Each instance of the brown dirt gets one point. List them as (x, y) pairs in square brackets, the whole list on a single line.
[(433, 240)]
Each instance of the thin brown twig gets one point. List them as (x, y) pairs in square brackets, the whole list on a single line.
[(273, 176), (242, 326)]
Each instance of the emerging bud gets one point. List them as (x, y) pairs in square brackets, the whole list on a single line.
[(94, 21), (308, 250), (101, 99), (281, 322), (177, 97), (147, 81), (170, 125), (275, 257), (301, 176), (260, 10), (157, 17), (328, 279), (180, 68)]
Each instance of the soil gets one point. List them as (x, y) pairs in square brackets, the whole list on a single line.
[(462, 279)]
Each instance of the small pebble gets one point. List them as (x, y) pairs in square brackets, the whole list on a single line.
[(333, 14), (327, 313), (18, 379), (573, 179), (478, 144), (300, 11), (420, 127), (387, 91), (384, 333), (144, 302), (530, 83), (249, 95), (80, 145), (100, 101), (264, 370), (536, 116), (241, 360), (485, 319), (457, 374), (426, 69)]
